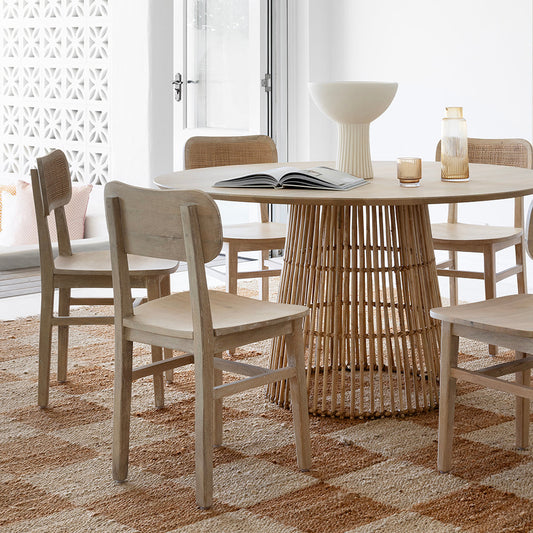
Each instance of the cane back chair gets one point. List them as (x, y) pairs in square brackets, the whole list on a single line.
[(246, 237), (455, 236), (52, 190)]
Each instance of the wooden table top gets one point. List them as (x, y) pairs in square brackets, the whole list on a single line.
[(487, 182)]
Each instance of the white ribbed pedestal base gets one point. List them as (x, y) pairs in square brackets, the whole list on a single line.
[(353, 152)]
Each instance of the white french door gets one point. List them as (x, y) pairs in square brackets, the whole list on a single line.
[(222, 69)]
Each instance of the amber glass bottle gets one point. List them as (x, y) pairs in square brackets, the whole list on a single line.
[(454, 146)]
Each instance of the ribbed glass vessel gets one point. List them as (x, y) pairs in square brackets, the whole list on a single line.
[(409, 171), (454, 146)]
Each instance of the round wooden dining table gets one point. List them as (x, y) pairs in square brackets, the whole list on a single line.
[(362, 260)]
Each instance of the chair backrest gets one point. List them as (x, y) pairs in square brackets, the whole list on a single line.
[(508, 152), (203, 152), (221, 151), (178, 225), (52, 190)]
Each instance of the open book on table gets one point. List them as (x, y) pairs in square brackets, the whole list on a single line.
[(295, 178)]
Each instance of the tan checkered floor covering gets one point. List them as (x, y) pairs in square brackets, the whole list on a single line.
[(378, 475)]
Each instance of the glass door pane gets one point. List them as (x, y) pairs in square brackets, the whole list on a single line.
[(225, 65)]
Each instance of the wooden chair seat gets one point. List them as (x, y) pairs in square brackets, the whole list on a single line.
[(509, 315), (459, 234), (272, 233), (172, 315), (99, 264), (505, 321)]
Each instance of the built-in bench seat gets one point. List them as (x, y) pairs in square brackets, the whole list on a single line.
[(19, 265)]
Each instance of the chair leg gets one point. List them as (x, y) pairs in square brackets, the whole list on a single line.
[(204, 427), (218, 379), (122, 407), (167, 352), (454, 295), (45, 344), (489, 256), (154, 291), (522, 407), (62, 336), (449, 351), (263, 285), (231, 269), (231, 274), (521, 277), (298, 391)]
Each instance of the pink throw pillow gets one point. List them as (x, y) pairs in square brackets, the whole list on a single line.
[(21, 226)]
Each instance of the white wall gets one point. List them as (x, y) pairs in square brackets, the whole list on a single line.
[(312, 27), (474, 53), (160, 93), (141, 93), (128, 91), (471, 53)]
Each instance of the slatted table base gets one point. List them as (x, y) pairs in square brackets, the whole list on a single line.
[(368, 275)]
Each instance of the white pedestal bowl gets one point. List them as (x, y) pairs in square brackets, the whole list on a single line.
[(353, 105)]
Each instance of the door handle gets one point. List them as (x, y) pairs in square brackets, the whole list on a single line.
[(177, 84)]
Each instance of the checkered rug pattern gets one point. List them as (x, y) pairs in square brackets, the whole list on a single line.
[(373, 475)]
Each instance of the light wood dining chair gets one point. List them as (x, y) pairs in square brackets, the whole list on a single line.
[(52, 190), (246, 237), (186, 226), (505, 321), (455, 236)]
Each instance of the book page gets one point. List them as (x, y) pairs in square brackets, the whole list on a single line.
[(254, 180), (322, 177)]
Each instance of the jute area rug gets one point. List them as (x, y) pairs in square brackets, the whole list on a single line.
[(377, 475)]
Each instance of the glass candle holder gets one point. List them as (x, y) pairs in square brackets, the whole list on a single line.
[(409, 171)]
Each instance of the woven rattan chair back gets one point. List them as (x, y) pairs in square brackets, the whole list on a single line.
[(221, 151), (52, 191), (55, 182), (507, 152)]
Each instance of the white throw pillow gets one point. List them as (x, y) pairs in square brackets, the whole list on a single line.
[(19, 223), (8, 212), (10, 189)]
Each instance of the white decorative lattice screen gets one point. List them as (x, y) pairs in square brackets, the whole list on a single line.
[(54, 85)]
